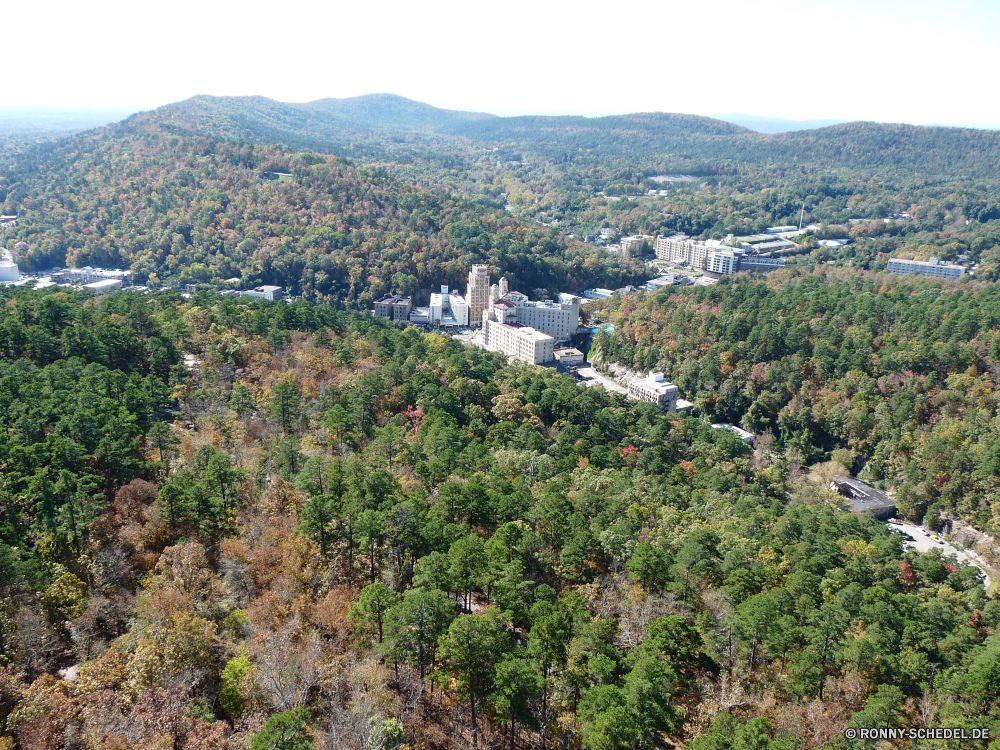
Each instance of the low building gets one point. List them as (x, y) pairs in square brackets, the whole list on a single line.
[(933, 267), (835, 243), (103, 286), (597, 293), (263, 292), (761, 263), (725, 262), (746, 437), (568, 356), (393, 307), (655, 389), (767, 245), (89, 274), (780, 230), (863, 498), (517, 341)]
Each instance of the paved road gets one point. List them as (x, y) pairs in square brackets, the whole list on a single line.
[(609, 385), (922, 542)]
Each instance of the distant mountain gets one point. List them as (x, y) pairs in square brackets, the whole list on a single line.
[(384, 127), (391, 111), (775, 124)]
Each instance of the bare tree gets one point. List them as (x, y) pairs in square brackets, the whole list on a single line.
[(287, 665)]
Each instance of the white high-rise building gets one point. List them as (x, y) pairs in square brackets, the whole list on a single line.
[(517, 341), (723, 262)]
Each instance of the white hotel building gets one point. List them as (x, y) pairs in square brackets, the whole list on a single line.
[(517, 341)]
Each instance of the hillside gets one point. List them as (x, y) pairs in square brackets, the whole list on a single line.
[(391, 111), (893, 377), (362, 126), (156, 194), (351, 536)]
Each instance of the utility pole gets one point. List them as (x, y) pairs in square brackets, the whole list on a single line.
[(800, 215)]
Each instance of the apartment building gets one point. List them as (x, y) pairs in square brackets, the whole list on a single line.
[(655, 389), (934, 267), (633, 246), (723, 262), (517, 341), (393, 307), (681, 249)]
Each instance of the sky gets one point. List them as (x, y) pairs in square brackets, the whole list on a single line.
[(887, 60)]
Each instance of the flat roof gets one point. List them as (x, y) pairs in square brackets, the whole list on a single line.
[(527, 331), (862, 496)]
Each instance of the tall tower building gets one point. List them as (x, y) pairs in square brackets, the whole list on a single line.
[(478, 293)]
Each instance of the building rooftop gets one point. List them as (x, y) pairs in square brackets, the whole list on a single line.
[(392, 298), (655, 382), (863, 497), (738, 431), (526, 331)]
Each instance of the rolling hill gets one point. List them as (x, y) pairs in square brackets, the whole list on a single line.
[(381, 126)]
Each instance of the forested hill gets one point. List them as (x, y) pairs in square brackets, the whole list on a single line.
[(686, 142), (356, 126), (894, 377), (350, 536), (390, 128), (156, 194), (389, 110)]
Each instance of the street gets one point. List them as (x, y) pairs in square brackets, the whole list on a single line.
[(922, 542)]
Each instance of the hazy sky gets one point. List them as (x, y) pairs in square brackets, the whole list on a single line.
[(889, 60)]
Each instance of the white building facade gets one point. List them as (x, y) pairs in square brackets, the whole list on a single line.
[(656, 390), (263, 292), (558, 319), (449, 309), (517, 341), (934, 267)]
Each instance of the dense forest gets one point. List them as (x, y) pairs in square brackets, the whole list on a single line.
[(237, 524), (895, 376), (324, 532), (185, 209)]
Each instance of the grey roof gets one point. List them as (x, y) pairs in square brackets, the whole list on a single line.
[(863, 497)]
